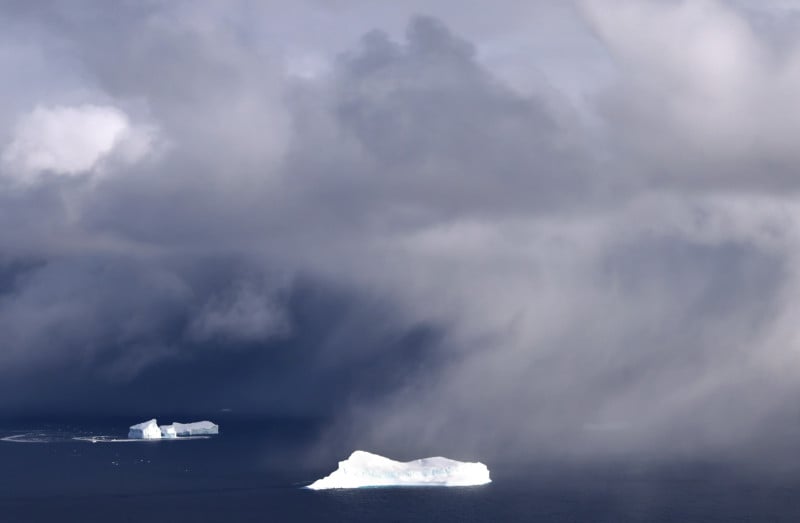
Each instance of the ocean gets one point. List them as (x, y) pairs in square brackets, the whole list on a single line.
[(254, 471)]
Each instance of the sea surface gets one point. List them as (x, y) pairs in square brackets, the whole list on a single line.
[(255, 471)]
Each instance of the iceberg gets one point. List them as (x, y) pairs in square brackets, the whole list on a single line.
[(145, 430), (198, 428), (151, 430), (364, 469)]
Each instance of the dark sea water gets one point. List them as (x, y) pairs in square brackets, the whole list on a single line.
[(254, 471)]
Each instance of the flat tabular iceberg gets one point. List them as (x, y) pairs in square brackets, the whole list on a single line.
[(199, 428), (363, 469), (145, 430)]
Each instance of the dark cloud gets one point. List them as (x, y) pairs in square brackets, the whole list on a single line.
[(115, 336), (400, 240)]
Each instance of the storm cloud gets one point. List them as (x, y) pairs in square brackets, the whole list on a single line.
[(563, 227)]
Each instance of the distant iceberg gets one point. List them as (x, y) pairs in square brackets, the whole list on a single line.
[(198, 428), (364, 469), (145, 430), (151, 430)]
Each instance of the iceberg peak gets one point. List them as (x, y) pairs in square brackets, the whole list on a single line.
[(145, 430), (365, 469)]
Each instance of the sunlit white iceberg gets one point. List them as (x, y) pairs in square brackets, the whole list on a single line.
[(168, 431), (145, 430), (363, 469)]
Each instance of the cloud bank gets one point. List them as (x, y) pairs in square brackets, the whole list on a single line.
[(427, 230)]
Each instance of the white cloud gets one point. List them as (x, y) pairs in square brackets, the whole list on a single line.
[(70, 141), (701, 77)]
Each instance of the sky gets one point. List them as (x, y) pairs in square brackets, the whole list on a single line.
[(531, 228)]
